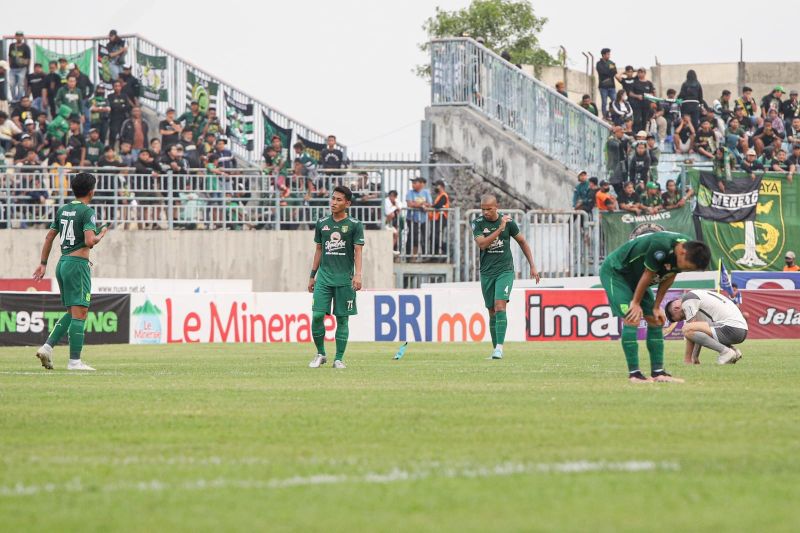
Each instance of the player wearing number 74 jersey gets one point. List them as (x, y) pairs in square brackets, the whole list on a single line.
[(75, 226)]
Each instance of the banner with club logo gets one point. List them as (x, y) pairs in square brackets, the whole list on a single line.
[(620, 227), (83, 60), (153, 73), (313, 149), (762, 242), (239, 121), (201, 90)]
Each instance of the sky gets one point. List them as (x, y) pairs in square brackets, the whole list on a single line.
[(346, 66)]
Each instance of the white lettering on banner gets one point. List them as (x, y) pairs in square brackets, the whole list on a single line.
[(589, 319), (734, 202), (789, 318), (632, 219)]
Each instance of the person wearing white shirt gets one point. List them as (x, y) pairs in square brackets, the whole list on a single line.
[(392, 209), (712, 321)]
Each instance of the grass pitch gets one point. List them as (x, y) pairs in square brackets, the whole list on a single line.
[(245, 437)]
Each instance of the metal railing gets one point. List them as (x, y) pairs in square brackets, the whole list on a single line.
[(425, 235), (465, 73), (563, 243), (234, 107)]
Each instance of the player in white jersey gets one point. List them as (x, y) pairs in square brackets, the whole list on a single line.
[(712, 321)]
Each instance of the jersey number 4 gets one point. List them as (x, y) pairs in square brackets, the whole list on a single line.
[(67, 232)]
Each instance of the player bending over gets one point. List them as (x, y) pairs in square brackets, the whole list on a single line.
[(713, 321), (335, 274), (627, 274), (493, 233), (76, 227)]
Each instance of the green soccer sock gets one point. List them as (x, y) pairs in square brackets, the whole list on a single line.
[(61, 328), (655, 345), (75, 338), (493, 329), (630, 345), (342, 334), (318, 331), (501, 322)]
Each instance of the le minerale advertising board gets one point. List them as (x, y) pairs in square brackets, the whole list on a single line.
[(26, 318)]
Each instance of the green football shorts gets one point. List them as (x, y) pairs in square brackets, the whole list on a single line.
[(496, 288), (620, 293), (74, 281), (344, 300)]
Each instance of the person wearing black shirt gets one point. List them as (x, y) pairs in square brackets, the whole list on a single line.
[(132, 87), (639, 165), (640, 105), (331, 157), (782, 164), (705, 140), (794, 159), (52, 83), (750, 163), (606, 74), (190, 151), (170, 130), (629, 200), (147, 185), (766, 140), (790, 109), (3, 86), (36, 87), (120, 111), (772, 100), (691, 94), (116, 53), (19, 57), (76, 144), (23, 111)]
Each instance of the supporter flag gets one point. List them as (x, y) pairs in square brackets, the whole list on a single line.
[(724, 280), (104, 64), (201, 90), (724, 200), (153, 73), (272, 128), (239, 121), (313, 149), (82, 59)]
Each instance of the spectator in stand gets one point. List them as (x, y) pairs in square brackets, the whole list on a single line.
[(76, 144), (639, 166), (116, 53), (418, 199), (606, 74), (86, 88), (216, 182), (36, 135), (120, 112), (591, 196), (94, 147), (19, 56), (621, 109), (155, 148), (126, 154), (212, 124), (641, 87), (110, 160), (135, 131), (766, 140), (580, 196), (749, 108), (777, 123), (751, 164), (305, 159), (588, 105), (36, 88), (672, 111), (391, 214), (627, 80), (790, 264), (723, 110), (652, 202), (272, 161), (772, 101), (657, 126), (173, 162), (629, 199), (683, 138), (793, 132), (99, 112), (23, 148), (604, 200), (69, 95), (331, 157), (4, 86), (691, 96), (782, 164), (132, 87), (794, 159), (52, 83), (225, 158), (209, 143), (169, 129), (561, 89), (9, 132), (147, 186), (59, 170), (617, 157), (190, 151), (438, 218), (790, 109), (705, 141), (193, 119), (23, 111), (672, 197), (735, 139)]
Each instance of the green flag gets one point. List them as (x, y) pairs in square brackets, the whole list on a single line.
[(620, 226), (154, 76), (272, 128), (200, 90), (83, 59)]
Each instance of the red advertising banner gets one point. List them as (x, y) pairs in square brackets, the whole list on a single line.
[(25, 285), (772, 314)]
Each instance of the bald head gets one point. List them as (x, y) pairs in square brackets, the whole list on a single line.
[(488, 198), (489, 207)]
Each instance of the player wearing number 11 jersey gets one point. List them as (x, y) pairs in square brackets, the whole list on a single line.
[(76, 227)]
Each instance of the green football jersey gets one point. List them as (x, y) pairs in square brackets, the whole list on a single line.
[(338, 240), (70, 221), (651, 251), (497, 258)]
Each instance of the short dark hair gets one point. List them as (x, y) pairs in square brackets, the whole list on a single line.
[(300, 145), (698, 253), (3, 114), (52, 62), (334, 137), (593, 180), (668, 311), (605, 51), (726, 92), (348, 194), (108, 148), (392, 192), (37, 65), (746, 89), (74, 120), (670, 91), (735, 286), (82, 184)]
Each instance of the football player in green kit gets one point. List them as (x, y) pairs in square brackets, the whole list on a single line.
[(335, 274), (493, 232), (76, 227), (627, 275)]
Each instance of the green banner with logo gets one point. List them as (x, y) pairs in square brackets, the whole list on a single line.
[(82, 59), (201, 90), (619, 227), (154, 76), (758, 244)]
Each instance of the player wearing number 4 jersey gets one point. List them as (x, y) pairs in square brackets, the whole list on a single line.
[(75, 226), (493, 233), (335, 274)]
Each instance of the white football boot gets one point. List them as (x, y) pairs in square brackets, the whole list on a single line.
[(45, 355), (727, 357), (318, 361), (338, 363), (77, 364)]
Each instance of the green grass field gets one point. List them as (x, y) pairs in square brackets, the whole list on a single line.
[(245, 437)]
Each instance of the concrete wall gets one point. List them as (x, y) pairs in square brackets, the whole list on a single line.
[(498, 155), (274, 260), (578, 83)]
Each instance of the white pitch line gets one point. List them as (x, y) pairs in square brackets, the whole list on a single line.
[(392, 476)]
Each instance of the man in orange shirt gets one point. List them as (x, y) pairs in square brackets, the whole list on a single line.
[(604, 200), (790, 264)]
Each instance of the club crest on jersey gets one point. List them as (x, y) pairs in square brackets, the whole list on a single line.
[(486, 230), (325, 228), (345, 228)]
